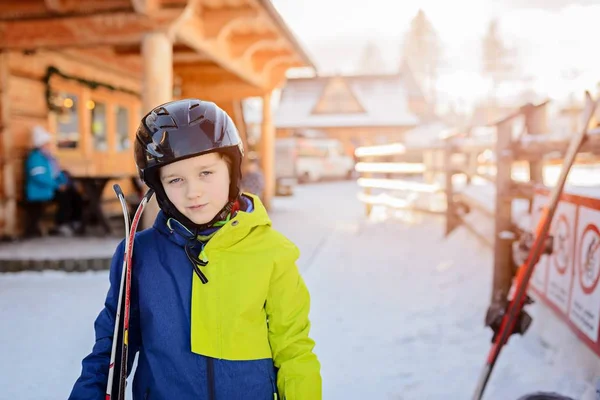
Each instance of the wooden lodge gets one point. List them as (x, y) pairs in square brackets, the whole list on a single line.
[(87, 70)]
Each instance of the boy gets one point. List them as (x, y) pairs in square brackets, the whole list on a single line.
[(218, 310)]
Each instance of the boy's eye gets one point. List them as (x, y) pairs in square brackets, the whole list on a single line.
[(174, 181), (205, 173)]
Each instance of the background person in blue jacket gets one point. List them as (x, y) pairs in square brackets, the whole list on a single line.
[(46, 182), (219, 310)]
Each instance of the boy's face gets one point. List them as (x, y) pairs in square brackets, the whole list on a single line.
[(197, 186)]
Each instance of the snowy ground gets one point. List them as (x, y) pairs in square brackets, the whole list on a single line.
[(397, 310)]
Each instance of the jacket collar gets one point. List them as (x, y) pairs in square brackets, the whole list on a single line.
[(232, 232)]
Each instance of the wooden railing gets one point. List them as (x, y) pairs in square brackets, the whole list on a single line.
[(396, 176), (486, 181)]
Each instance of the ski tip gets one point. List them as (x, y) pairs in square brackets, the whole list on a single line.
[(117, 189)]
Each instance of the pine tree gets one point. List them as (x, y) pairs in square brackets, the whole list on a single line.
[(497, 62), (422, 51), (371, 61)]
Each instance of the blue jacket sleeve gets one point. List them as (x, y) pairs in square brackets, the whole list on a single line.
[(92, 382), (38, 171), (62, 179)]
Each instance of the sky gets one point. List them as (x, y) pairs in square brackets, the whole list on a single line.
[(555, 44)]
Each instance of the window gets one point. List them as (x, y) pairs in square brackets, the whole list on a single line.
[(98, 124), (67, 132), (122, 128)]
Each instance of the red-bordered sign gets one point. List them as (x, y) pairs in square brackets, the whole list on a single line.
[(576, 254), (589, 259)]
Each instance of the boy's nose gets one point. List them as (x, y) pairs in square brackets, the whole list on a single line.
[(194, 190)]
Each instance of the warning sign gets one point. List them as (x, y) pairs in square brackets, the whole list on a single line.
[(539, 277), (590, 265), (585, 302), (560, 272)]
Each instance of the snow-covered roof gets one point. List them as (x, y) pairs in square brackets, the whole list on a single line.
[(384, 99)]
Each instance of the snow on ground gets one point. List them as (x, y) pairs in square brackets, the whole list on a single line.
[(397, 310)]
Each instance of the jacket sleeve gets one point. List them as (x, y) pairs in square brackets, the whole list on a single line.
[(287, 306), (38, 171), (62, 179), (91, 384)]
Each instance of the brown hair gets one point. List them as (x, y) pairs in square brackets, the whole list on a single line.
[(228, 161)]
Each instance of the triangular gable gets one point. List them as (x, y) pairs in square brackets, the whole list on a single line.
[(338, 98)]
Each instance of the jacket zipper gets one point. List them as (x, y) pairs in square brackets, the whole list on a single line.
[(210, 375)]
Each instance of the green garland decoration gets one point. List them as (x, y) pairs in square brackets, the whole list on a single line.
[(86, 82)]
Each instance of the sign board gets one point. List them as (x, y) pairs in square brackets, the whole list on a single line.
[(568, 279)]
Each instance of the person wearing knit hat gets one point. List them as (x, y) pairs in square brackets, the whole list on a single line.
[(41, 138), (46, 182)]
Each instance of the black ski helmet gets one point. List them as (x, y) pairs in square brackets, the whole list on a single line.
[(182, 129)]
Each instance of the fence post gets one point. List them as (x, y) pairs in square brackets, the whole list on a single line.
[(503, 273), (536, 124), (429, 165), (471, 165), (451, 219), (367, 190)]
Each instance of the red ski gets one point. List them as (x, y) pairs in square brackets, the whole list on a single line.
[(115, 389)]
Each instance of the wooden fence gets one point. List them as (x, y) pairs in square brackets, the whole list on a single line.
[(486, 178)]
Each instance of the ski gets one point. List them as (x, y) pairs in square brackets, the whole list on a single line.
[(525, 272), (117, 330), (121, 338)]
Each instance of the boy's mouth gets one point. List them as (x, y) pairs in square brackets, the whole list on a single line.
[(197, 207)]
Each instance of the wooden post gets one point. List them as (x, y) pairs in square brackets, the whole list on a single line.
[(503, 271), (438, 165), (471, 165), (86, 141), (157, 88), (267, 151), (429, 164), (537, 124), (367, 191), (451, 219), (7, 158)]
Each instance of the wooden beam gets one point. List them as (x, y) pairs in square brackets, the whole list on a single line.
[(189, 56), (220, 22), (126, 50), (275, 69), (58, 6), (146, 7), (19, 9), (535, 150), (246, 45), (276, 76), (190, 33), (98, 29), (135, 49), (222, 51), (85, 6), (204, 73), (217, 92), (264, 60)]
